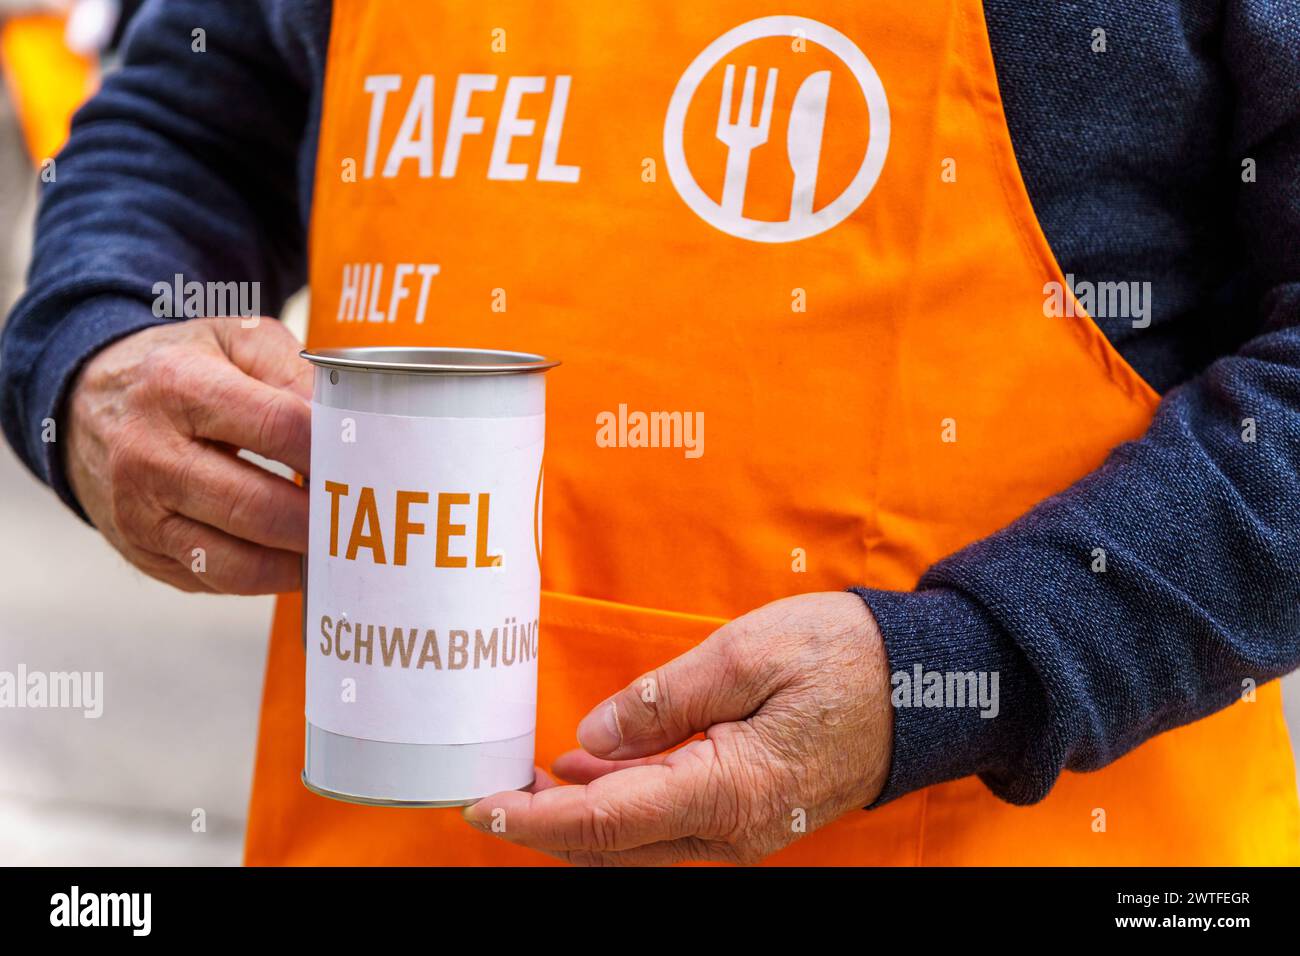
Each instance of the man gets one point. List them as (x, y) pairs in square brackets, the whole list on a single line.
[(808, 231)]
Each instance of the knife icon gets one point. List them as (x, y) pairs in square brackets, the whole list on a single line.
[(803, 141)]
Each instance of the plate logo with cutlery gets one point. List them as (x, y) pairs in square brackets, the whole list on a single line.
[(723, 131)]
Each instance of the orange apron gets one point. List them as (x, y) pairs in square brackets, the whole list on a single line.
[(833, 313)]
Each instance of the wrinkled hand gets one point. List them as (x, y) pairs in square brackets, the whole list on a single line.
[(154, 422), (793, 699)]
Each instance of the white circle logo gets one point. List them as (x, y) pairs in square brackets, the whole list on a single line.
[(750, 128)]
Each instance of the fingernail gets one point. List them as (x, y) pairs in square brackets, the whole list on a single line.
[(472, 818), (598, 733)]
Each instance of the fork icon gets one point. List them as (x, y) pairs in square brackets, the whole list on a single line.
[(743, 136)]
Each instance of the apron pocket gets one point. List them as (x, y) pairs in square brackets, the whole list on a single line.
[(591, 649)]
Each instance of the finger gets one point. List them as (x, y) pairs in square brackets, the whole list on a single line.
[(267, 351), (631, 808), (541, 781), (162, 568), (228, 493), (226, 563), (225, 405), (578, 766), (714, 682)]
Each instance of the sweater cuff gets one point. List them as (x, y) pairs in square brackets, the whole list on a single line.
[(90, 325), (965, 699)]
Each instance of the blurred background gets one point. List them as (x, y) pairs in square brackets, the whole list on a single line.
[(182, 673)]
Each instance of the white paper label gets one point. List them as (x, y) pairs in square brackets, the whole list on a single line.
[(423, 576)]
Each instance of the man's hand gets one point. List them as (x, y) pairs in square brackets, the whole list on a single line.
[(793, 699), (154, 424)]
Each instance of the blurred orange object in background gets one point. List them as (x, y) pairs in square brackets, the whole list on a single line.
[(47, 81)]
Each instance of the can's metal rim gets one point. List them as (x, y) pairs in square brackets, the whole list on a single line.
[(430, 360)]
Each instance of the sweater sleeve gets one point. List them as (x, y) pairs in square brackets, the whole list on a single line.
[(185, 162), (1199, 521)]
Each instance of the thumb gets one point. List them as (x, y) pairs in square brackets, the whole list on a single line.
[(714, 682)]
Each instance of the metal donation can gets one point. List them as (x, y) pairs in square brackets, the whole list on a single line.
[(423, 580)]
